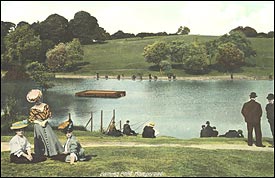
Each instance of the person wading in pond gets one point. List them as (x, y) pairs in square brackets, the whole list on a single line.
[(45, 141), (252, 113)]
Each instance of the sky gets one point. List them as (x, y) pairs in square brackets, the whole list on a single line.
[(201, 17)]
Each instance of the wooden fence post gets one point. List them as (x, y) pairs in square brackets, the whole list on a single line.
[(101, 122), (114, 113), (91, 121), (120, 125)]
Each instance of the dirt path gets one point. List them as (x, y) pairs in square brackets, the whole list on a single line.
[(5, 146)]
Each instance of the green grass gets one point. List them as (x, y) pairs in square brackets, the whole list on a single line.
[(142, 161), (124, 56), (165, 161)]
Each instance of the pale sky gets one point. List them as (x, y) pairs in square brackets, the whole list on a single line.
[(204, 18)]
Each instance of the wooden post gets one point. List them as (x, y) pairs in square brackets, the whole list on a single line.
[(120, 125), (101, 122), (69, 116), (114, 115), (91, 121)]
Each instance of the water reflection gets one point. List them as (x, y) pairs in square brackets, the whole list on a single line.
[(178, 108)]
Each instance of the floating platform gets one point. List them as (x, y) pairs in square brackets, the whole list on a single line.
[(101, 93)]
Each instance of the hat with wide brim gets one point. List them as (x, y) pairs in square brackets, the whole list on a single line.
[(151, 124), (18, 125), (34, 95), (66, 126), (270, 96), (253, 95)]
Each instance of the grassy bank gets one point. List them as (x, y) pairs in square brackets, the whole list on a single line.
[(150, 161), (124, 56)]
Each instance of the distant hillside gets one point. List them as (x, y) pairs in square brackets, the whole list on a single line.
[(124, 56)]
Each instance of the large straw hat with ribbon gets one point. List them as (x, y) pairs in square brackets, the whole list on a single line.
[(19, 125), (34, 95)]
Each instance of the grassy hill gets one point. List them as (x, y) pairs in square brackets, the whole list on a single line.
[(124, 56)]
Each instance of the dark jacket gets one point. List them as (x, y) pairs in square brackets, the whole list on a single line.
[(252, 112), (148, 132), (270, 112), (127, 129)]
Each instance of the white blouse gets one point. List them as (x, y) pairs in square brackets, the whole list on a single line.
[(19, 145)]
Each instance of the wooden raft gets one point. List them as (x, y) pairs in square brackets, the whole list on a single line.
[(101, 93)]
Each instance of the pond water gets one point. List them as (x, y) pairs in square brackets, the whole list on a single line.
[(178, 108)]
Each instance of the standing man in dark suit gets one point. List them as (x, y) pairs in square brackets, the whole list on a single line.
[(270, 113), (252, 112)]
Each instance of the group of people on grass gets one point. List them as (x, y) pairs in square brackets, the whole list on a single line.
[(209, 131), (252, 113), (46, 143), (148, 130)]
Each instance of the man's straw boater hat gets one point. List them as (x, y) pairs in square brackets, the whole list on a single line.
[(151, 124), (34, 95), (18, 125)]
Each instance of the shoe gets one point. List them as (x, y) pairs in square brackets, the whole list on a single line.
[(260, 145), (249, 144)]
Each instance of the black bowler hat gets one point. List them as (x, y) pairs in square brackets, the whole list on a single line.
[(270, 96), (253, 95)]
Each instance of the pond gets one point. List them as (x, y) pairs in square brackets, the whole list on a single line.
[(178, 108)]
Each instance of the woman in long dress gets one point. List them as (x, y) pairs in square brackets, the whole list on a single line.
[(45, 141)]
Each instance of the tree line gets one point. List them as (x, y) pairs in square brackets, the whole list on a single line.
[(226, 54)]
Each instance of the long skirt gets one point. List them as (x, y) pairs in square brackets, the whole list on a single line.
[(45, 141), (23, 160)]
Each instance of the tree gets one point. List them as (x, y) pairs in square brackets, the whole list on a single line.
[(74, 52), (247, 31), (178, 51), (230, 57), (165, 66), (196, 62), (250, 32), (270, 34), (54, 28), (56, 58), (20, 24), (85, 27), (183, 30), (64, 57), (22, 46), (239, 40), (39, 75), (6, 27), (156, 52), (120, 34)]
